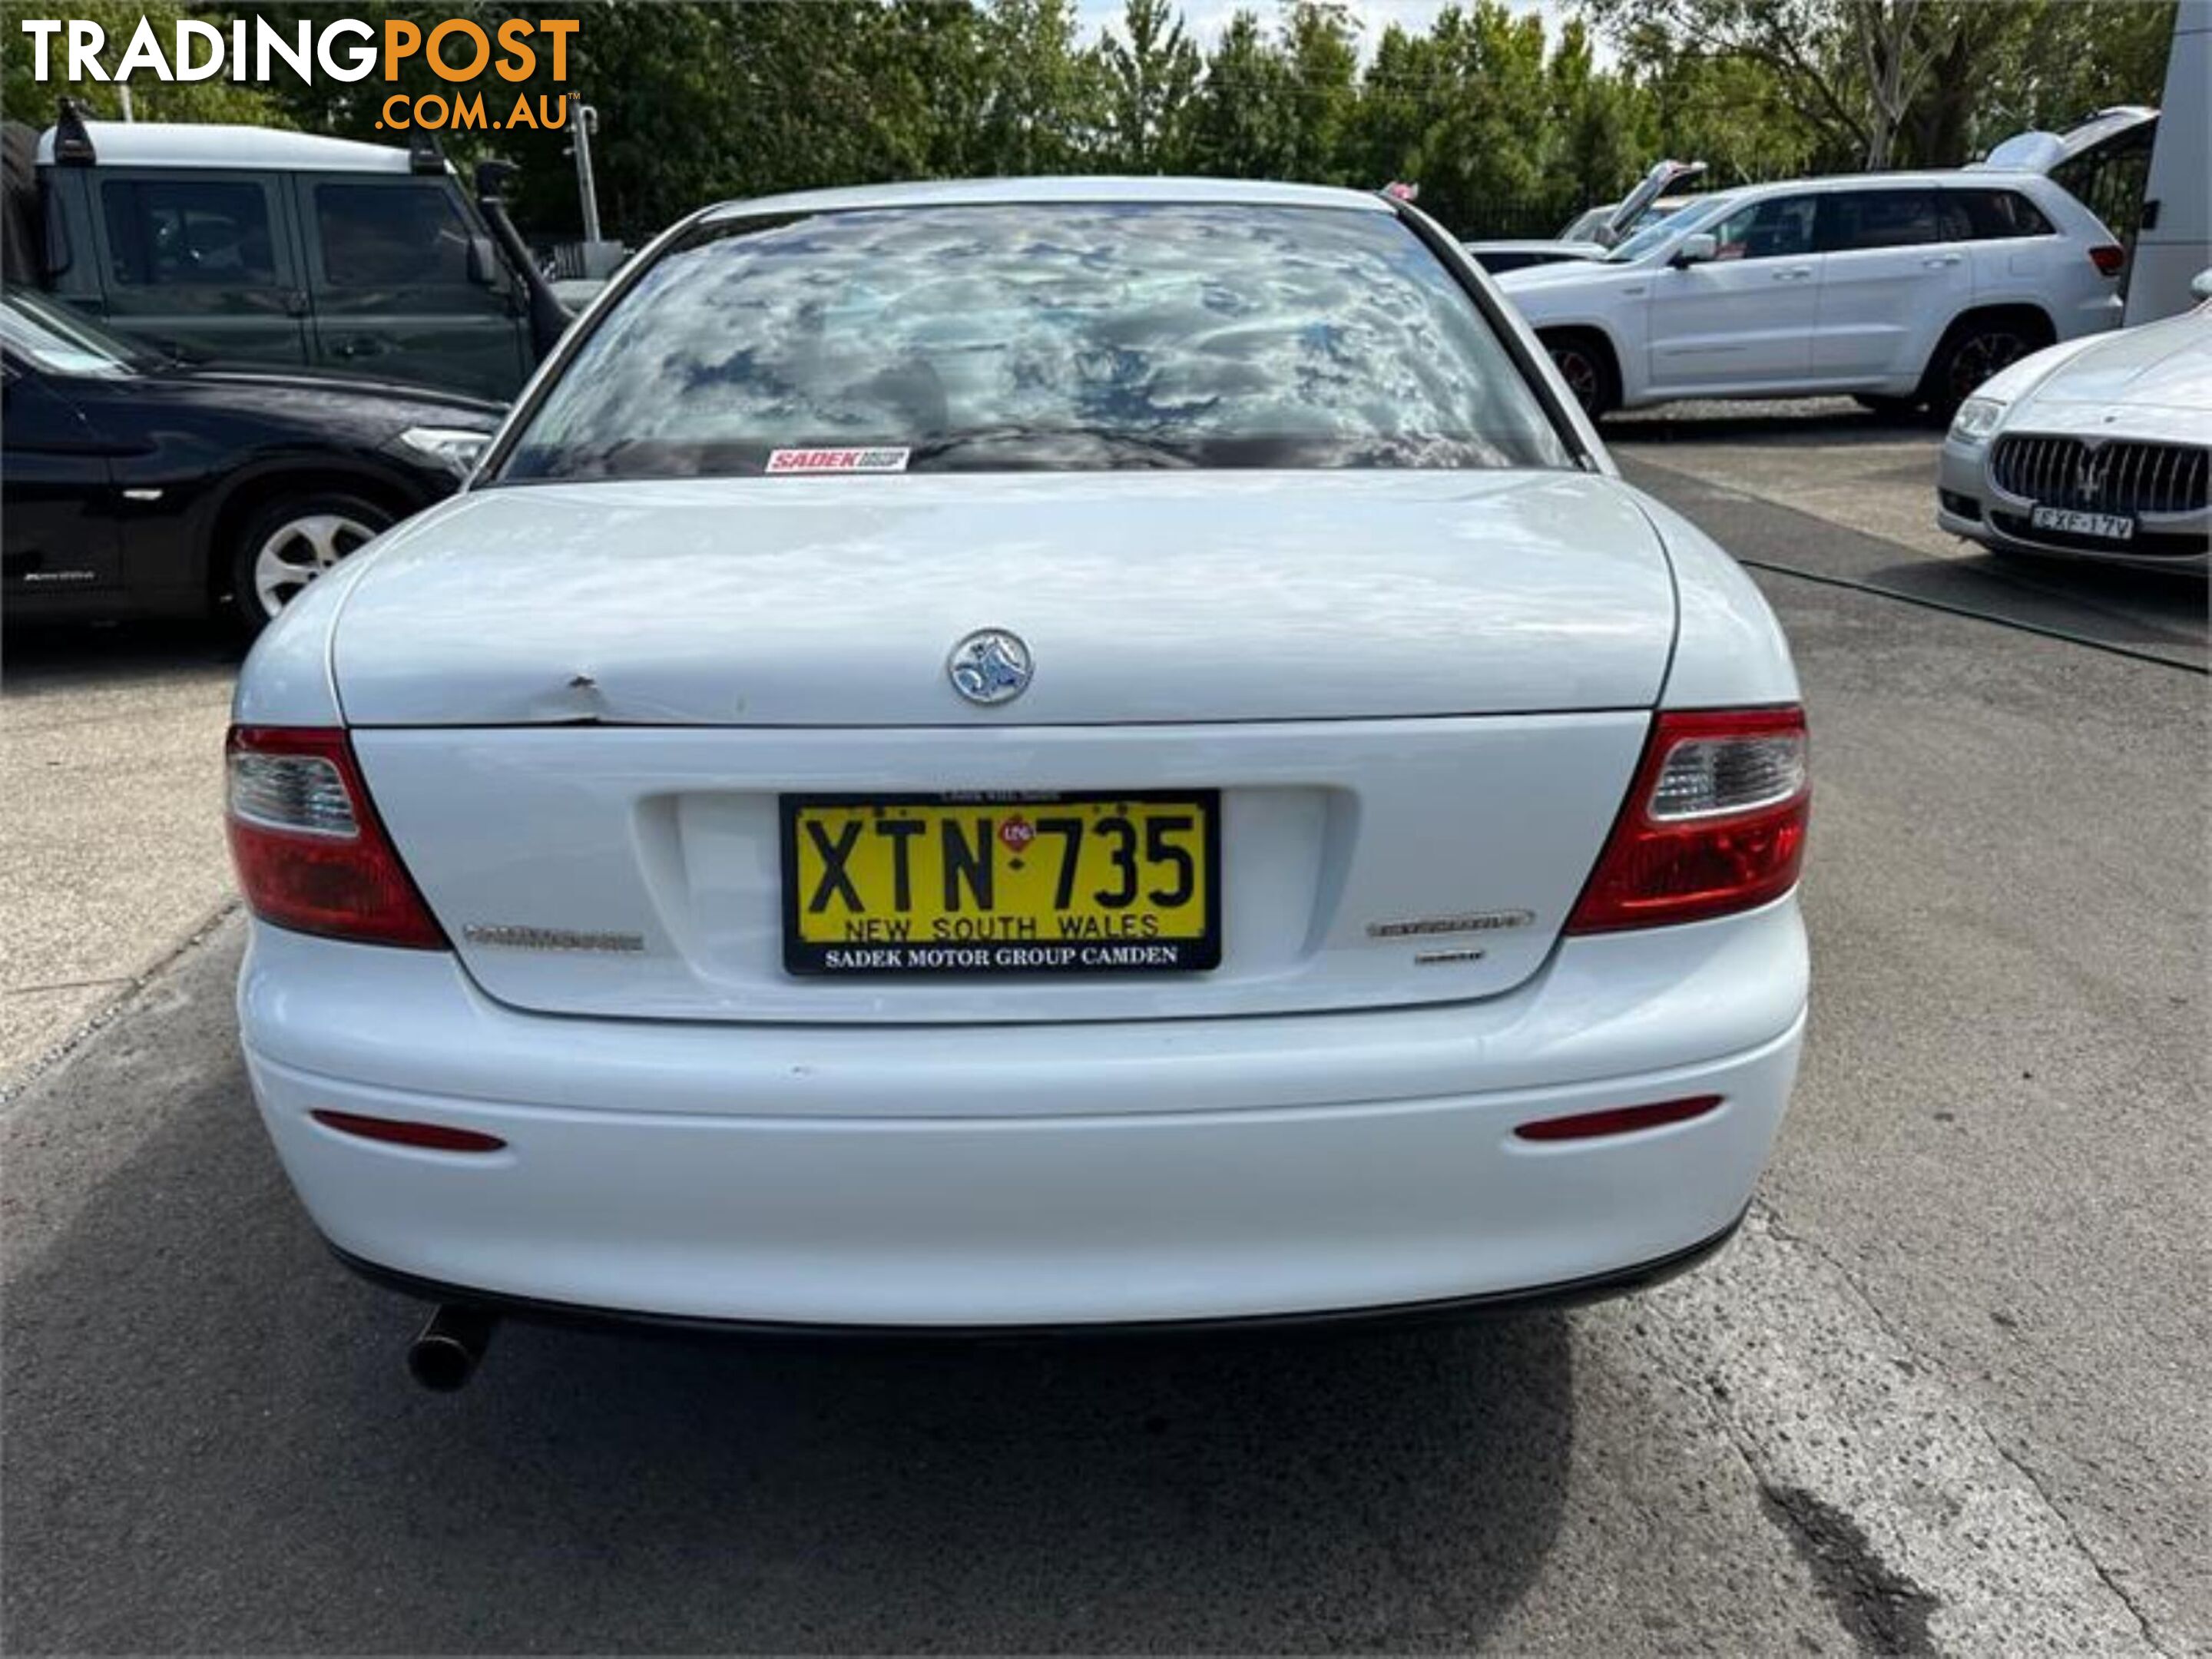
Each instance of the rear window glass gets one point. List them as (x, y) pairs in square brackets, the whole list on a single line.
[(1991, 215), (188, 232), (1063, 338)]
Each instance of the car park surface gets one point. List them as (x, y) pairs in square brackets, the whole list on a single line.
[(1942, 1395), (112, 842)]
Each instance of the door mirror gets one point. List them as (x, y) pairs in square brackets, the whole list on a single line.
[(484, 262), (1695, 251), (2201, 283)]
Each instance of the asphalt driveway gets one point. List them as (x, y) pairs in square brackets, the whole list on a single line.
[(1943, 1394)]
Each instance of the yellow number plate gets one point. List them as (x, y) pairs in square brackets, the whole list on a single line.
[(1081, 884)]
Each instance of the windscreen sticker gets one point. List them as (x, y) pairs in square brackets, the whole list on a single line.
[(838, 460)]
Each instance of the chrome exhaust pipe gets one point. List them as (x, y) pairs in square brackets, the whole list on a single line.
[(445, 1354)]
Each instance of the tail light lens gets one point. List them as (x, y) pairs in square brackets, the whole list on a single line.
[(1714, 822), (310, 853), (2108, 258)]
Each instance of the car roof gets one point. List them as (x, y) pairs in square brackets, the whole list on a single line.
[(1933, 179), (1533, 244), (206, 144), (972, 192)]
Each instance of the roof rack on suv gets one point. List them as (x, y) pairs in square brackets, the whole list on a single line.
[(72, 142)]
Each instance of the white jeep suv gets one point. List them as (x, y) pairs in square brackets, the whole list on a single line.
[(1899, 289)]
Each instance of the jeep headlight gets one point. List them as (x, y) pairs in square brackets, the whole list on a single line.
[(456, 447), (1977, 418)]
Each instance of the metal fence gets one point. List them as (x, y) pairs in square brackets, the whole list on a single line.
[(570, 261), (1510, 218)]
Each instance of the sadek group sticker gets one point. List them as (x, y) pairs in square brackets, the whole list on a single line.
[(836, 461)]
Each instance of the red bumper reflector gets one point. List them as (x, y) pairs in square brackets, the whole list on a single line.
[(437, 1137), (1618, 1119)]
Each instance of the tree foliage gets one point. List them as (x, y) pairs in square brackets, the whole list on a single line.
[(1508, 129), (23, 99), (1149, 80), (1880, 83)]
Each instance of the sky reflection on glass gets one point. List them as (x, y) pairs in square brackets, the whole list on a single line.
[(1057, 336)]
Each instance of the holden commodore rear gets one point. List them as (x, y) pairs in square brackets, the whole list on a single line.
[(1046, 753)]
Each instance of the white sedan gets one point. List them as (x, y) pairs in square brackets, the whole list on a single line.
[(1026, 754), (2098, 449)]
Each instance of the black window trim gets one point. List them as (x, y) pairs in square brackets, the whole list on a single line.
[(707, 222), (60, 253), (1463, 270)]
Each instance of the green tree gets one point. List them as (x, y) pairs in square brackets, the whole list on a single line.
[(1819, 53), (1506, 130), (1599, 136), (1320, 61), (1246, 110), (1732, 113), (1043, 100), (2026, 64), (25, 99), (1482, 157), (1889, 83), (1149, 77), (1399, 102)]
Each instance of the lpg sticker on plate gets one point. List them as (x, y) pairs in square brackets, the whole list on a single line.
[(836, 461)]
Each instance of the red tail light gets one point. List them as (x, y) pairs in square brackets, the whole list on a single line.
[(310, 853), (2108, 258), (1714, 822)]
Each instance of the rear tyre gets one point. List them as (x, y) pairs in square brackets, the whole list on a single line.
[(292, 543), (1975, 348), (1586, 365)]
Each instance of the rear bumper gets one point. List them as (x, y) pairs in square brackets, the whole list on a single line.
[(1577, 1292), (1009, 1176)]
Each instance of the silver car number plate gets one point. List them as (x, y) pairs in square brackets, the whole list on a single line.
[(2111, 526)]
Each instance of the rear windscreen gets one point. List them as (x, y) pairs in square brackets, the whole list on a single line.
[(1055, 336)]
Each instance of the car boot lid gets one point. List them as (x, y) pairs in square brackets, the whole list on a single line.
[(834, 601)]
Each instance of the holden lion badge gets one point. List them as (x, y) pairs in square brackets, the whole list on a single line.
[(989, 666)]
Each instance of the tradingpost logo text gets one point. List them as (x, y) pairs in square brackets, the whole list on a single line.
[(460, 51)]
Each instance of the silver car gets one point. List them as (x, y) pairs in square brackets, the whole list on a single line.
[(2098, 448)]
